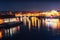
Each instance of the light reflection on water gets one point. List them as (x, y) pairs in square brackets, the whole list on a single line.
[(32, 22), (11, 31), (35, 23), (52, 23)]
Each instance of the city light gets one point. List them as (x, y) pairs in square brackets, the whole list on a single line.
[(32, 21)]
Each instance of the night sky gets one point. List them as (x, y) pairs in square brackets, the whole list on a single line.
[(29, 5)]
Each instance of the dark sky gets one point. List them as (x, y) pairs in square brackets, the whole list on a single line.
[(29, 5)]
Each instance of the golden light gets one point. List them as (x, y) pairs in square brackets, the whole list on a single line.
[(1, 34), (18, 14), (1, 21), (28, 14), (48, 13), (33, 21), (52, 23), (52, 13)]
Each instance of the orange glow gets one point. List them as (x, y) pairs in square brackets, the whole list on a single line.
[(48, 13), (58, 25), (1, 21), (19, 14), (28, 14), (1, 34)]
